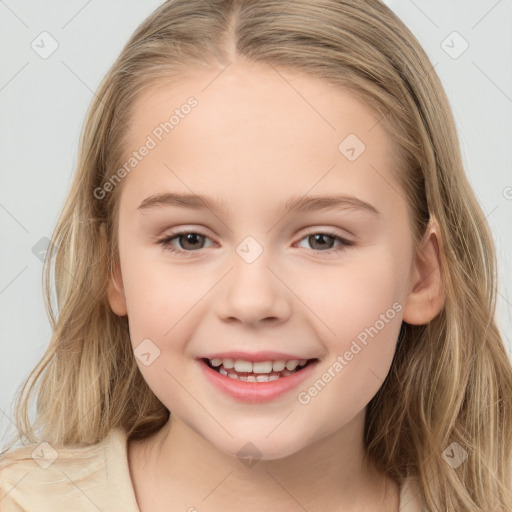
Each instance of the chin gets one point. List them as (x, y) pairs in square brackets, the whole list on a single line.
[(247, 448)]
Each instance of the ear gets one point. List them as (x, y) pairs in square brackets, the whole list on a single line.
[(426, 298), (115, 290)]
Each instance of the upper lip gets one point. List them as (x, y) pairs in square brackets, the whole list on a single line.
[(267, 355)]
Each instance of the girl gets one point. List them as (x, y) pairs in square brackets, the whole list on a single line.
[(330, 342)]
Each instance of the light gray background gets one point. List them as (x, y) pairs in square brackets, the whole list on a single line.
[(43, 104)]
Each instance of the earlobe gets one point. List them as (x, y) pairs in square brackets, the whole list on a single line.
[(115, 290), (426, 298)]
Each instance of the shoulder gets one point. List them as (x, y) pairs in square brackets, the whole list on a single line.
[(46, 478)]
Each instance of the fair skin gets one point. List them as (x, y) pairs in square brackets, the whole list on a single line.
[(254, 142)]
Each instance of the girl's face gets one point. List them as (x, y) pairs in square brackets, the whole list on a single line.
[(253, 280)]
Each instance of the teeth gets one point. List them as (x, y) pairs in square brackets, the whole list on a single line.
[(228, 363), (262, 367), (255, 378), (258, 367), (265, 371), (243, 366), (278, 366), (291, 365)]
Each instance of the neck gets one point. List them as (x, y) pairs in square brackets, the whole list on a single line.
[(183, 468)]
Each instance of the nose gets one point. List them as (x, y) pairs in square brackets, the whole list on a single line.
[(253, 292)]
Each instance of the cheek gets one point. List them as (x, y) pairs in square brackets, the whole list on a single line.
[(160, 317), (360, 306), (350, 297), (158, 295)]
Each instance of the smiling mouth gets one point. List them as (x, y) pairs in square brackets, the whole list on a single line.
[(252, 376)]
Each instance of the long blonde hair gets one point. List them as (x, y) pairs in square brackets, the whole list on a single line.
[(450, 380)]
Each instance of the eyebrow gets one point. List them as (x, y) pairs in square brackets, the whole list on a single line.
[(293, 205)]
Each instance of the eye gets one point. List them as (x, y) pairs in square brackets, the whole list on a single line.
[(318, 239), (191, 241)]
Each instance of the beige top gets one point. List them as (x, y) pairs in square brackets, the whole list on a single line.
[(88, 479)]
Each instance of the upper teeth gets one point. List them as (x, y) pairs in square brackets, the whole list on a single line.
[(241, 365)]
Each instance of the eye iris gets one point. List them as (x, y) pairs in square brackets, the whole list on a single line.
[(322, 245), (190, 237)]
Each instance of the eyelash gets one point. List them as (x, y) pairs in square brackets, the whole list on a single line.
[(166, 242)]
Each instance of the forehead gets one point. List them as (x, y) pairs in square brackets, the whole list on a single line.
[(236, 128), (256, 99)]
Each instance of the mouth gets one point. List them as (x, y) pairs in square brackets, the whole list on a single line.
[(261, 371), (257, 381)]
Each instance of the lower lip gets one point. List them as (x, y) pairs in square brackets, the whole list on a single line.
[(254, 392)]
